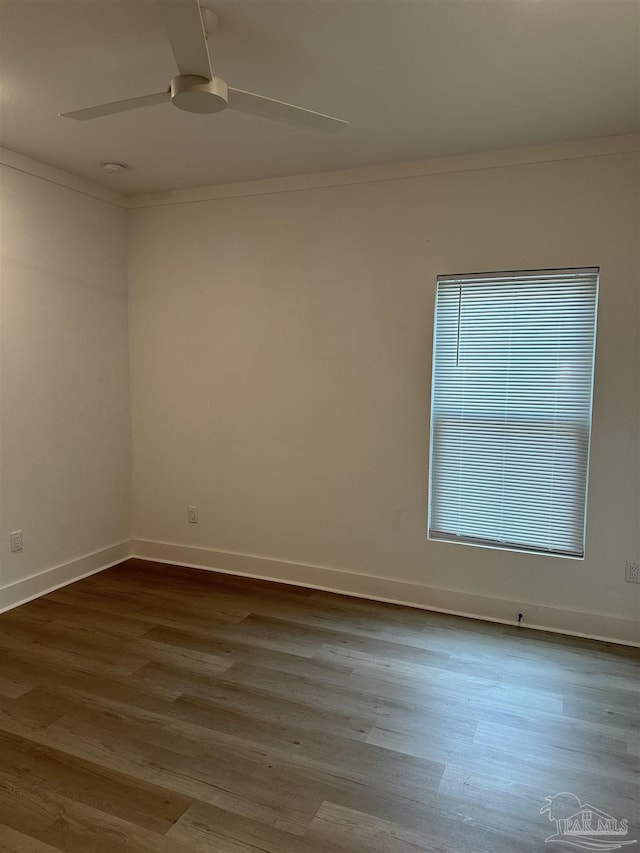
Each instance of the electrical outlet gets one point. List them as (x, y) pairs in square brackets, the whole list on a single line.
[(192, 514), (16, 540), (632, 575)]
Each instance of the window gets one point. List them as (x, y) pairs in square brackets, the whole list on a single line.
[(513, 358)]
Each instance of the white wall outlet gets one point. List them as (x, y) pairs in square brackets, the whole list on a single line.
[(16, 540), (632, 574), (192, 514)]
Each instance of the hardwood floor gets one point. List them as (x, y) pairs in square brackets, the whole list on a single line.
[(155, 708)]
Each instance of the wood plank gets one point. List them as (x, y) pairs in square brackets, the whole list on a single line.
[(157, 708), (12, 841), (348, 830), (90, 783)]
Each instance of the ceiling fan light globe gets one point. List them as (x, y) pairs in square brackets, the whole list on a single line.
[(199, 95)]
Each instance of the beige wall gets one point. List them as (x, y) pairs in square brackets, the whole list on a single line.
[(281, 366), (65, 436), (281, 373)]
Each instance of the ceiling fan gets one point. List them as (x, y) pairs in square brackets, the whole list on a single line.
[(195, 89)]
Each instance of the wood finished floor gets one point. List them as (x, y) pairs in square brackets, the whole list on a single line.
[(155, 708)]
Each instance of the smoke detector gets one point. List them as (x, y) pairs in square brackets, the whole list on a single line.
[(112, 167)]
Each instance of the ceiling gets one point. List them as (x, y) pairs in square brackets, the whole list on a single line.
[(416, 79)]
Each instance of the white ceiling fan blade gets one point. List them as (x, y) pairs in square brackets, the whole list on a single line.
[(182, 20), (118, 106), (248, 102)]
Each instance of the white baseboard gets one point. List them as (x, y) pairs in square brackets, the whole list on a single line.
[(596, 626), (34, 586)]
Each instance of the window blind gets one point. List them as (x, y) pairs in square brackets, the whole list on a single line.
[(512, 387)]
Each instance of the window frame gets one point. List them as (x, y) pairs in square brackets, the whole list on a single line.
[(580, 425)]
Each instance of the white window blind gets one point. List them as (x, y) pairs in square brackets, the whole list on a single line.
[(512, 388)]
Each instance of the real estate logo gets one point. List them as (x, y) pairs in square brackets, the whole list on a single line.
[(583, 825)]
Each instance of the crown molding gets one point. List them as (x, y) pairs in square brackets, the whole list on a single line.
[(20, 163), (580, 149)]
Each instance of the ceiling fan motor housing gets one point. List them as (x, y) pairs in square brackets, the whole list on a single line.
[(199, 95)]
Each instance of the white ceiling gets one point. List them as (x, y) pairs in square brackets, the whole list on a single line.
[(416, 79)]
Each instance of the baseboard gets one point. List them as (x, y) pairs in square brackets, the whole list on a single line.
[(46, 581), (541, 617)]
